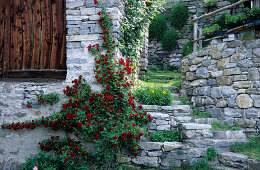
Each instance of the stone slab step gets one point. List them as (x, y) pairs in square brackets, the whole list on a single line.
[(167, 146), (175, 96), (205, 120), (183, 119), (235, 160), (168, 109), (221, 167), (194, 126), (221, 145), (197, 134), (238, 134), (176, 103), (224, 145)]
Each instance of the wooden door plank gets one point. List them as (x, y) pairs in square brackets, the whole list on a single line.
[(27, 31), (2, 28), (16, 35), (59, 8), (36, 7), (7, 39), (55, 36), (63, 33), (46, 34)]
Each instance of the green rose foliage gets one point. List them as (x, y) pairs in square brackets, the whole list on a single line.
[(109, 118), (169, 41), (51, 98), (179, 15), (157, 27)]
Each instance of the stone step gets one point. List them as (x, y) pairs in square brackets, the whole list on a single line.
[(197, 134), (238, 134), (224, 145), (168, 77), (205, 120), (235, 160), (194, 126), (176, 103), (221, 145), (183, 119), (175, 96), (167, 109), (221, 167)]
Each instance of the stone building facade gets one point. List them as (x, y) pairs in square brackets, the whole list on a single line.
[(82, 29)]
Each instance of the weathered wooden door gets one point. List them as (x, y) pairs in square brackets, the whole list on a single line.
[(33, 38)]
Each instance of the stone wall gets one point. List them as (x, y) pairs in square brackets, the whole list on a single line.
[(156, 55), (82, 29), (223, 79)]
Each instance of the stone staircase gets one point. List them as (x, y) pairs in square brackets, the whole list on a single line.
[(197, 134)]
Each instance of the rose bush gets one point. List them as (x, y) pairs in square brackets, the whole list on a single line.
[(110, 119)]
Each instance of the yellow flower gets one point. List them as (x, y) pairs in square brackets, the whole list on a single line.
[(152, 91), (155, 88), (164, 92), (166, 89)]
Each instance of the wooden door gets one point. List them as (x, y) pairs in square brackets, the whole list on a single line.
[(33, 38)]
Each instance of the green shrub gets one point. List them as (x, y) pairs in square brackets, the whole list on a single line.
[(153, 95), (253, 13), (48, 162), (220, 20), (166, 136), (169, 41), (179, 15), (211, 153), (235, 19), (210, 4), (211, 30), (187, 49), (157, 27)]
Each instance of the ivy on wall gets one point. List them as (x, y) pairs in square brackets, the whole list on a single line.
[(135, 23)]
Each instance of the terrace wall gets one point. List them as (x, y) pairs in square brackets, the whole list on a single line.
[(223, 79)]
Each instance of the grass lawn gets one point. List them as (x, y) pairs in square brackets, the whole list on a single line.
[(161, 78)]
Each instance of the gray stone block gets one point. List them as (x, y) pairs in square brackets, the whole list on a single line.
[(146, 161), (215, 112), (202, 72)]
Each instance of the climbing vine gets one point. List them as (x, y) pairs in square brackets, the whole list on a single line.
[(111, 119), (134, 25)]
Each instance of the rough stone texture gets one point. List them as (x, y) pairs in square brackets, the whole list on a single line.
[(232, 87), (169, 146), (244, 101), (151, 145), (233, 160), (194, 126), (146, 161)]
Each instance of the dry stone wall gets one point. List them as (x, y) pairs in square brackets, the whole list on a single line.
[(172, 60), (82, 29), (223, 79)]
